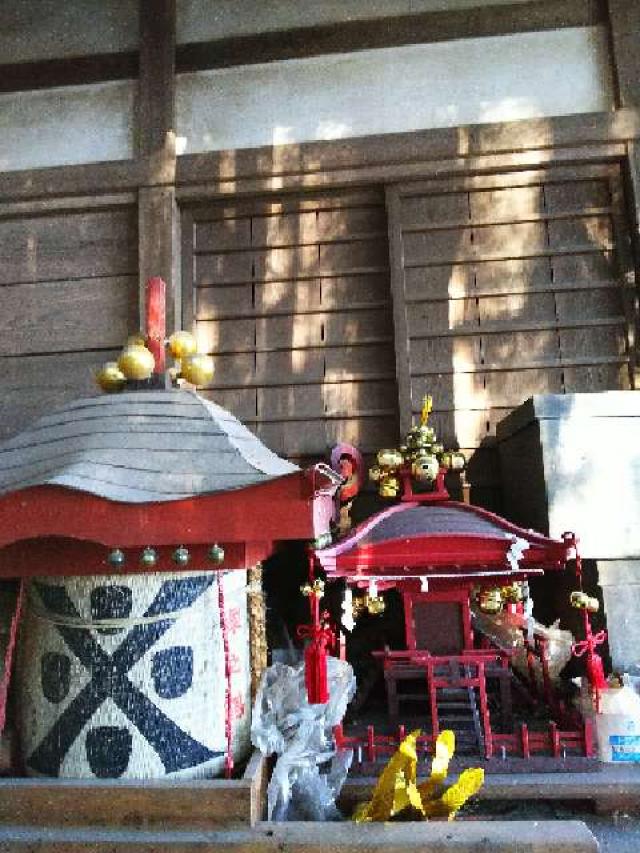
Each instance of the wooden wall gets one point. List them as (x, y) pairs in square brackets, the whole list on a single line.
[(68, 300), (505, 272), (508, 286), (291, 295)]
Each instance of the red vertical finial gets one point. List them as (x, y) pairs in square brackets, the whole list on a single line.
[(156, 326)]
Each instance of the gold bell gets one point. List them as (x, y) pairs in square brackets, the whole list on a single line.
[(197, 369), (182, 344), (110, 378), (136, 362), (389, 487), (490, 601)]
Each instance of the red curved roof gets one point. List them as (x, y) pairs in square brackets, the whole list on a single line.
[(421, 539)]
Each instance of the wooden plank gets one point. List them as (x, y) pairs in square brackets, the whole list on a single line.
[(591, 303), (505, 347), (158, 248), (241, 402), (624, 23), (212, 303), (352, 363), (600, 377), (586, 342), (67, 315), (96, 802), (513, 274), (73, 245), (303, 401), (290, 365), (581, 195), (432, 209), (226, 336), (442, 353), (586, 231), (516, 308), (218, 235), (594, 266), (441, 282), (76, 71), (33, 385), (351, 398), (156, 86), (429, 318), (510, 203), (388, 31), (403, 349)]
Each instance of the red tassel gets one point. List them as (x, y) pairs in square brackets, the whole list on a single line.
[(315, 670)]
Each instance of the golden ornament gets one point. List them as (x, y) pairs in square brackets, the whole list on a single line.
[(110, 378), (137, 340), (182, 344), (197, 369), (136, 362)]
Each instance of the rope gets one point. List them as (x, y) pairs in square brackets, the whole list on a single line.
[(228, 761), (8, 657)]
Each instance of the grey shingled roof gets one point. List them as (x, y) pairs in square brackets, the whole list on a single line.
[(139, 447)]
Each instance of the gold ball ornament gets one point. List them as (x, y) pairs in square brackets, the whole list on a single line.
[(197, 369), (110, 378), (137, 340), (136, 362), (182, 344)]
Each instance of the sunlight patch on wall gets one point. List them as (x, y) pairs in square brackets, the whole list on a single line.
[(502, 78), (74, 124)]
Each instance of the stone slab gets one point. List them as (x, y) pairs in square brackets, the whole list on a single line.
[(562, 836), (196, 804)]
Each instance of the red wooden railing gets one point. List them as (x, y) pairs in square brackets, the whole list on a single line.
[(524, 743)]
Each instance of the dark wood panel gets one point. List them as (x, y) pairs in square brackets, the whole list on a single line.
[(606, 302), (442, 282), (73, 245), (440, 353), (516, 308), (430, 318), (597, 377), (581, 232), (388, 31), (34, 385), (576, 195), (586, 342), (421, 210), (219, 235), (67, 315)]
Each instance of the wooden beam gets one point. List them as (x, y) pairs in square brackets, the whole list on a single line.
[(80, 70), (394, 31), (158, 248), (388, 156), (624, 24), (157, 211), (156, 95)]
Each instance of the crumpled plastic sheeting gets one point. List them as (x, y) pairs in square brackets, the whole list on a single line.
[(505, 629), (302, 736)]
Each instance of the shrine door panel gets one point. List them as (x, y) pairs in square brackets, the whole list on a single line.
[(291, 297), (68, 301), (507, 286), (438, 626)]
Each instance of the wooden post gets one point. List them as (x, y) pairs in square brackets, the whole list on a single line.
[(257, 627), (554, 737), (524, 740), (157, 210), (155, 321)]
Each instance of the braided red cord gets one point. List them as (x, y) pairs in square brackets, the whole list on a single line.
[(228, 761), (8, 657)]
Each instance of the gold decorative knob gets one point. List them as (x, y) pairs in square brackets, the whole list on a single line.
[(182, 344), (110, 378), (197, 369), (136, 362)]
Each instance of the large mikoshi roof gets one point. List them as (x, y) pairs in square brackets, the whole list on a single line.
[(139, 447), (160, 468), (447, 539)]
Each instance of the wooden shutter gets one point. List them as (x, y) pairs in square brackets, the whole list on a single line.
[(291, 296), (68, 300), (504, 287)]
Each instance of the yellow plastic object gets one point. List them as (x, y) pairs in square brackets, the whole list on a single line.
[(396, 796), (448, 805)]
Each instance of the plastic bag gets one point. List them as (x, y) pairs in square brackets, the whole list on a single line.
[(302, 736)]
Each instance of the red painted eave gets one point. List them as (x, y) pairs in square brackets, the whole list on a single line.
[(289, 507)]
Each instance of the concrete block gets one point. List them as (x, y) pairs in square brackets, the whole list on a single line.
[(500, 837), (572, 462), (620, 582)]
